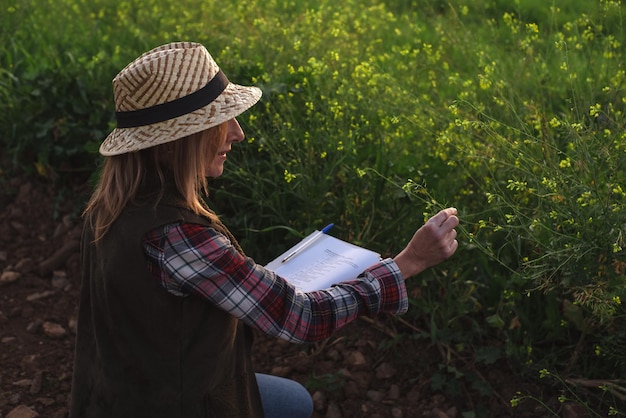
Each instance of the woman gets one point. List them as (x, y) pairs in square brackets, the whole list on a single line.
[(168, 297)]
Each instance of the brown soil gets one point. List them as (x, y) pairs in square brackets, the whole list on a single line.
[(359, 372)]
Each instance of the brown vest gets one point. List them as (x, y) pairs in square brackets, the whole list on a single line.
[(142, 352)]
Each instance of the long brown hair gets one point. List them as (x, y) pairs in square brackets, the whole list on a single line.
[(184, 160)]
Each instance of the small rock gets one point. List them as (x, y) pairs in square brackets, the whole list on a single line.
[(53, 330), (23, 383), (345, 373), (438, 399), (414, 395), (30, 362), (319, 401), (352, 390), (452, 412), (72, 324), (333, 411), (8, 340), (22, 411), (438, 413), (62, 413), (375, 396), (385, 371), (9, 276), (33, 326), (355, 358), (46, 401), (59, 279), (363, 379), (394, 392), (396, 412), (39, 295), (333, 354), (14, 399), (281, 371), (18, 226), (35, 386), (25, 265)]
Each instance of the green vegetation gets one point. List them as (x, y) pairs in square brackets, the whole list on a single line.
[(376, 114)]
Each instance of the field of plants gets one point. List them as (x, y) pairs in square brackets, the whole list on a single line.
[(376, 114)]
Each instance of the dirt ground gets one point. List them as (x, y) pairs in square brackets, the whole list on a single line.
[(356, 373)]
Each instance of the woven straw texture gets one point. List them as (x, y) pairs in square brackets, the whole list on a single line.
[(164, 74)]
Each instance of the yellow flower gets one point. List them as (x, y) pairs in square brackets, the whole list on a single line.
[(555, 123), (289, 176)]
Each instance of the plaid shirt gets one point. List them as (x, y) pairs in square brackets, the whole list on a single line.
[(193, 260)]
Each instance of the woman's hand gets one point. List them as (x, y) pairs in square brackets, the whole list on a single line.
[(431, 244)]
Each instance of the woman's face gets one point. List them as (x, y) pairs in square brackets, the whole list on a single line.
[(234, 133)]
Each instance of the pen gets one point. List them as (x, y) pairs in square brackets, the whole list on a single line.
[(308, 242)]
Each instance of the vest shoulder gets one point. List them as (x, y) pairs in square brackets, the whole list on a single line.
[(161, 214)]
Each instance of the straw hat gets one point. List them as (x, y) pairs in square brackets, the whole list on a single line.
[(171, 92)]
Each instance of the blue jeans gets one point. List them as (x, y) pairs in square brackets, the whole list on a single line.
[(284, 398)]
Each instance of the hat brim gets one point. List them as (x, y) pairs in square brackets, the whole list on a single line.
[(233, 101)]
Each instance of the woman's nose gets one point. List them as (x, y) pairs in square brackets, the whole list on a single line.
[(235, 133)]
